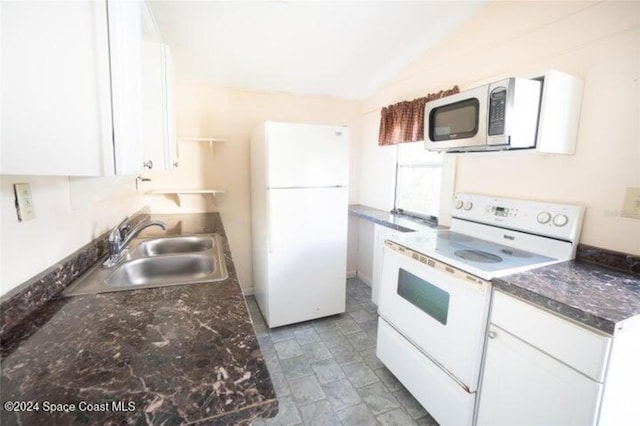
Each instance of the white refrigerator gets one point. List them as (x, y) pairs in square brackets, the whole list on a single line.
[(299, 209)]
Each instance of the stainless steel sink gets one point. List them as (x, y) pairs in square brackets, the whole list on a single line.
[(163, 270), (158, 262), (174, 245)]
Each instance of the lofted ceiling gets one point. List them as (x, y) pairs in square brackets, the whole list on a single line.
[(347, 49)]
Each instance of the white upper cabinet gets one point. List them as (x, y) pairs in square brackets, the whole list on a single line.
[(125, 47), (158, 122), (71, 88)]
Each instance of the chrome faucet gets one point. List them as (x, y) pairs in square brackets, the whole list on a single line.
[(121, 236)]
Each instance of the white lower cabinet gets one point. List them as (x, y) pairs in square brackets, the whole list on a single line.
[(543, 369), (524, 386), (380, 233)]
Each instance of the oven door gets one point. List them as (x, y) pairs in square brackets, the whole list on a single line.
[(439, 309), (457, 121)]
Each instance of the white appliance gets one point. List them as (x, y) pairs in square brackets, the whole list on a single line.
[(496, 116), (299, 209), (435, 292)]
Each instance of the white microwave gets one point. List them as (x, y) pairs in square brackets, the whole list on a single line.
[(497, 116)]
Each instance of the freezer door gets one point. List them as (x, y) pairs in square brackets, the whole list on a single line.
[(307, 252), (305, 155)]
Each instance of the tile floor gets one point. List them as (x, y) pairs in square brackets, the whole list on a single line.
[(325, 372)]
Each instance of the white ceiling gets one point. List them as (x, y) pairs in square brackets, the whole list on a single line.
[(346, 49)]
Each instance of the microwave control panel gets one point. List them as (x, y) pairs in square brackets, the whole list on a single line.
[(497, 106)]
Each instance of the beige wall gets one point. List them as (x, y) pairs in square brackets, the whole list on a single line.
[(598, 41), (204, 110), (69, 214)]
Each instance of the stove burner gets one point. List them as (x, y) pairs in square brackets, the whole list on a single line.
[(478, 256)]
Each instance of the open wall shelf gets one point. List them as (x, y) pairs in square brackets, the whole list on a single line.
[(178, 194), (210, 141)]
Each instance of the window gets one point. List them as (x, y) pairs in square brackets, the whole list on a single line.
[(418, 180)]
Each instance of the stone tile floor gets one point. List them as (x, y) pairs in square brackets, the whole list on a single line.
[(325, 372)]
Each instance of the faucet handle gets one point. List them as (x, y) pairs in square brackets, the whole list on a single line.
[(125, 230), (118, 233), (123, 222)]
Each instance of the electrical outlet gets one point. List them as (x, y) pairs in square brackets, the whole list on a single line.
[(24, 202), (631, 206)]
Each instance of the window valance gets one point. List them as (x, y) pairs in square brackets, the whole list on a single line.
[(404, 121)]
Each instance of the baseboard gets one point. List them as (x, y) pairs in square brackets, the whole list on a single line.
[(247, 291), (352, 274), (365, 279)]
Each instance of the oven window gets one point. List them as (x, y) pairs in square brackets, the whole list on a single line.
[(424, 295), (454, 121)]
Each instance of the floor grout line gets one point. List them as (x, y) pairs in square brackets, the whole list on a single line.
[(355, 409)]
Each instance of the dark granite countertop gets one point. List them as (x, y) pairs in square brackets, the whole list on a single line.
[(590, 294), (180, 354), (397, 221)]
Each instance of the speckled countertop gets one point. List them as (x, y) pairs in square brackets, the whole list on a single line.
[(400, 222), (593, 295), (173, 355)]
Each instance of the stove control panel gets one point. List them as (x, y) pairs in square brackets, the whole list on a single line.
[(544, 217), (562, 221), (502, 211)]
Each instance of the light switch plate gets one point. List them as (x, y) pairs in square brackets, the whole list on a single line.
[(631, 206), (24, 202)]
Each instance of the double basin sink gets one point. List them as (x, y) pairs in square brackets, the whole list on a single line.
[(157, 262)]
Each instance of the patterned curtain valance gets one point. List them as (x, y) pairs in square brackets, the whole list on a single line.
[(404, 121)]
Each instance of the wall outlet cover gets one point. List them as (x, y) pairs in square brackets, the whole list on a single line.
[(24, 202), (631, 206)]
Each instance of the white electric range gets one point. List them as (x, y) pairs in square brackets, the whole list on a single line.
[(435, 292)]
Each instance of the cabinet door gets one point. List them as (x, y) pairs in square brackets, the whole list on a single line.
[(125, 48), (172, 143), (524, 386), (70, 88), (56, 107), (158, 129), (380, 234)]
